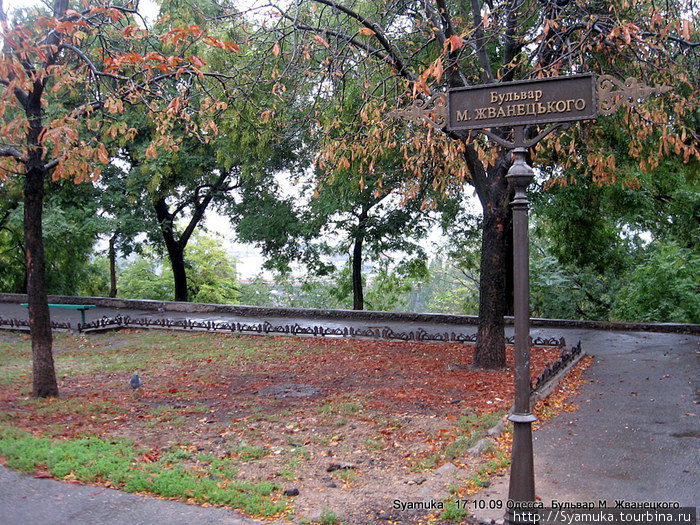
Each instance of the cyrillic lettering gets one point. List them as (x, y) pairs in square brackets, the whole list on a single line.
[(463, 115)]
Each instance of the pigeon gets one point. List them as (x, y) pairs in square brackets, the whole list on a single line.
[(135, 381)]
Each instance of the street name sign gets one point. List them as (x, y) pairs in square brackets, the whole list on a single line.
[(558, 99)]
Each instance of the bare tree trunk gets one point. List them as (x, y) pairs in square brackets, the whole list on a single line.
[(358, 300), (112, 267), (177, 261), (43, 372), (494, 296)]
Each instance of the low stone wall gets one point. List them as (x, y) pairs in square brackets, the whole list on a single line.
[(317, 313)]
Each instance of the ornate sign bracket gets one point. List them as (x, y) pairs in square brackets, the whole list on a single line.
[(432, 110), (519, 140), (613, 92)]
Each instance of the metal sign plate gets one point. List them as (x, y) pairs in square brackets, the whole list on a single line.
[(558, 99)]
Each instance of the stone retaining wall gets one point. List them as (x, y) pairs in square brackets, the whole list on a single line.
[(317, 313)]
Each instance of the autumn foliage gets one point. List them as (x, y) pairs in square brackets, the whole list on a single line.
[(97, 62)]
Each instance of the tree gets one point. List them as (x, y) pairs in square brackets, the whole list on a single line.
[(208, 169), (396, 51), (66, 75), (212, 277), (145, 277), (375, 221), (211, 274), (121, 206), (663, 287), (178, 188), (594, 240)]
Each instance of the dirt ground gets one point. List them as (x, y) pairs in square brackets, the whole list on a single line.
[(345, 428)]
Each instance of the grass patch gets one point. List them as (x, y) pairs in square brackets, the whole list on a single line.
[(15, 358), (468, 430), (454, 511), (95, 460), (328, 517), (74, 406), (246, 452), (481, 477), (346, 408)]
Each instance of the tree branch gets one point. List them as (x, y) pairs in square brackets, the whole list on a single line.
[(90, 64), (455, 78), (12, 152), (201, 207), (486, 73), (396, 60), (512, 46)]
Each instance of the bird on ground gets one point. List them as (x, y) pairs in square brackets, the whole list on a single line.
[(135, 381)]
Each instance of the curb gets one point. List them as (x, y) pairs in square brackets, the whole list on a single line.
[(536, 396)]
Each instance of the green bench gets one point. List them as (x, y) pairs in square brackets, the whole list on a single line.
[(81, 307)]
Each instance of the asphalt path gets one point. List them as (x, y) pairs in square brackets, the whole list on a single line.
[(634, 437)]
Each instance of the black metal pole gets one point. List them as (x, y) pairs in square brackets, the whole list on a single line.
[(522, 475)]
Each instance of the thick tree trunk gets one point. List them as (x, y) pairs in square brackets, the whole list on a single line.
[(176, 249), (43, 371), (177, 261), (358, 300), (494, 296), (112, 267)]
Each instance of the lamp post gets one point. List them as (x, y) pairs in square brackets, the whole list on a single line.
[(522, 474)]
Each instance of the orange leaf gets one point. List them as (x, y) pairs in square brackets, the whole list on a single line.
[(276, 49), (686, 29), (102, 154), (320, 40), (453, 43), (366, 31), (437, 69)]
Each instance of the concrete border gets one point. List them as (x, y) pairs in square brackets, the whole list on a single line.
[(317, 313), (536, 396)]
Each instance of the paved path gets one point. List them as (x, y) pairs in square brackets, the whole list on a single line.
[(635, 437), (25, 500)]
